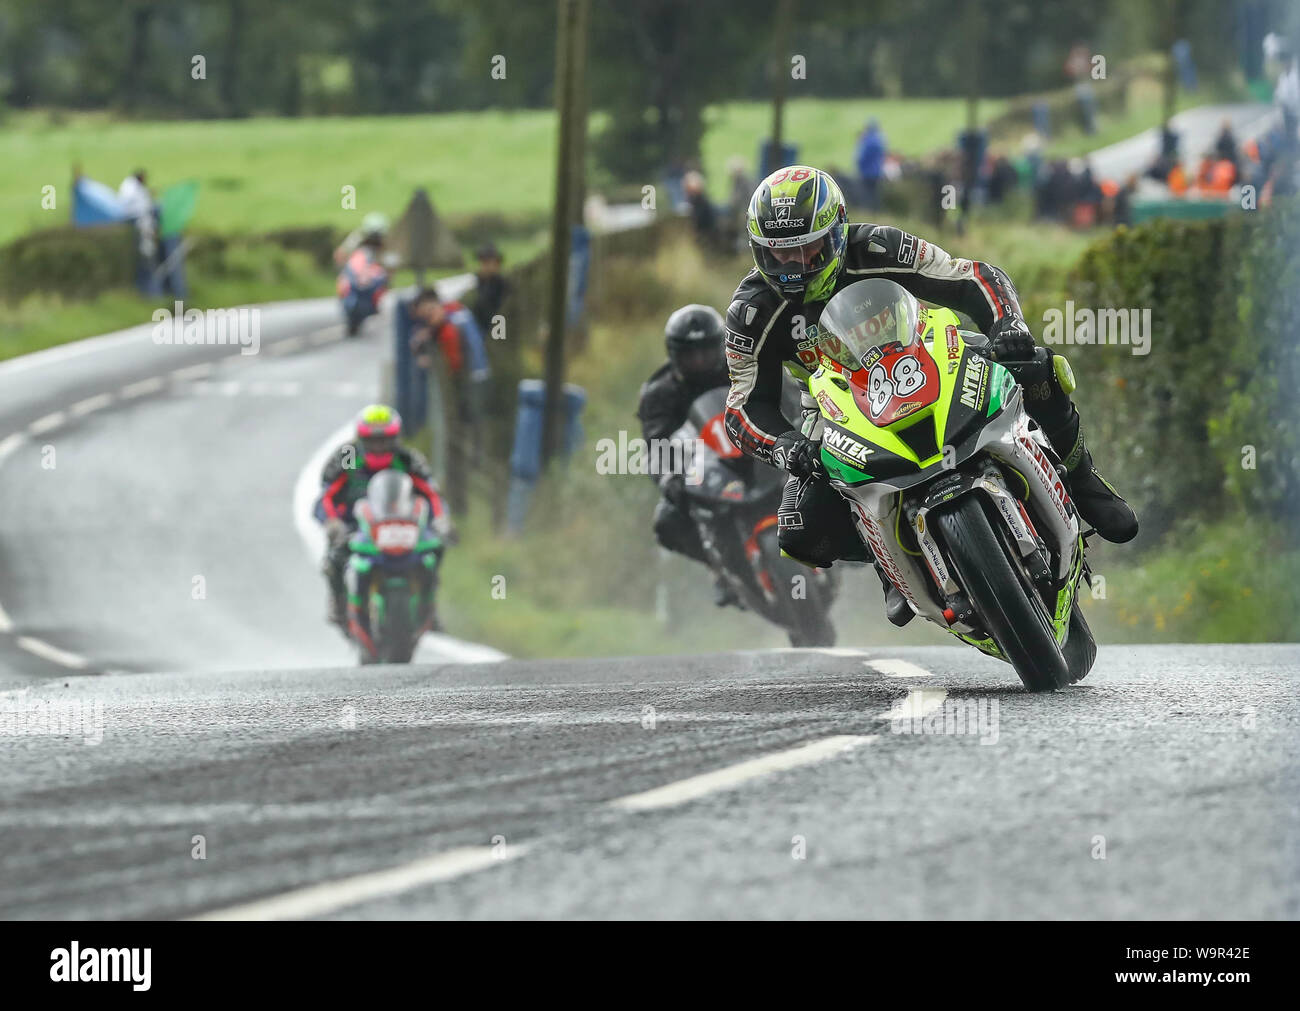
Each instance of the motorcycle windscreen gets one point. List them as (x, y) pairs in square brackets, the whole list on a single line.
[(391, 496), (871, 330)]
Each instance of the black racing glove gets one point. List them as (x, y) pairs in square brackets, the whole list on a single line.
[(673, 488), (797, 454), (1011, 339)]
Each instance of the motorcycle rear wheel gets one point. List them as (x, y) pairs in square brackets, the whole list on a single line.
[(1080, 648)]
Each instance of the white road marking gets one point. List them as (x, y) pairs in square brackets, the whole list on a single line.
[(323, 336), (192, 371), (694, 787), (45, 651), (151, 385), (897, 668), (916, 705), (83, 407), (836, 651), (10, 443), (343, 389), (48, 423), (288, 346), (316, 900), (274, 388), (7, 445)]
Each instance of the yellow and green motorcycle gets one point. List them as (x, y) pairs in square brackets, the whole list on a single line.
[(957, 493)]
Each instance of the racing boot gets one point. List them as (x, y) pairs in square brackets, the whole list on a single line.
[(1099, 504), (897, 609), (336, 613), (1048, 381), (724, 595)]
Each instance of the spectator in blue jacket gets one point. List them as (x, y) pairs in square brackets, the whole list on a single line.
[(872, 149)]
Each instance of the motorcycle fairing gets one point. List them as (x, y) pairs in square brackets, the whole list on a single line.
[(979, 408)]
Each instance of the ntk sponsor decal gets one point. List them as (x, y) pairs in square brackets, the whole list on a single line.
[(974, 383)]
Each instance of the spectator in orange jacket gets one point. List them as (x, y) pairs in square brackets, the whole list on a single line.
[(439, 333)]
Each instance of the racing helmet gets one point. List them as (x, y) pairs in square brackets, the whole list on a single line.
[(694, 337), (378, 429), (798, 232)]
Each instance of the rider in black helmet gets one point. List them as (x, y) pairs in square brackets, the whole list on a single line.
[(693, 337)]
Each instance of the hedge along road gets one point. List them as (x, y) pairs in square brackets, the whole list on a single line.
[(149, 490)]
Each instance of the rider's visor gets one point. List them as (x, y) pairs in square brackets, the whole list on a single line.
[(792, 257), (699, 362), (379, 444)]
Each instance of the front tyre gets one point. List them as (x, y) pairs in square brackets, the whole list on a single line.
[(395, 633), (1003, 595)]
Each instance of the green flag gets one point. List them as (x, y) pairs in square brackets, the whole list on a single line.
[(177, 203)]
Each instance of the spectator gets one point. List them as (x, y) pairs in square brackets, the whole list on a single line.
[(1078, 67), (703, 214), (1287, 96), (1123, 209), (1225, 145), (742, 188), (1168, 161), (435, 333), (1003, 179), (872, 148), (138, 205), (491, 287), (420, 328)]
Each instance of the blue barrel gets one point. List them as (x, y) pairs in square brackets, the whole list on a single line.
[(526, 457), (789, 156)]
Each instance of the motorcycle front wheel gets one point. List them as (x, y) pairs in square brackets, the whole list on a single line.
[(1003, 595)]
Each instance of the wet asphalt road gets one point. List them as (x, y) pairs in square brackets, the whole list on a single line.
[(1164, 786)]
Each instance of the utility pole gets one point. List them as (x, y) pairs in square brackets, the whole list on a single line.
[(780, 74), (578, 162), (975, 28), (570, 57)]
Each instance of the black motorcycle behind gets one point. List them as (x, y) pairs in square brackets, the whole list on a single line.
[(733, 503)]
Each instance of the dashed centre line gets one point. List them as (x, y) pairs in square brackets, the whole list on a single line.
[(42, 649), (316, 900), (694, 787)]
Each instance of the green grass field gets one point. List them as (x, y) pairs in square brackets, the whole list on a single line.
[(260, 174)]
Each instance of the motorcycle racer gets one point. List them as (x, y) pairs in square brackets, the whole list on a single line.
[(346, 476), (693, 337), (805, 250)]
